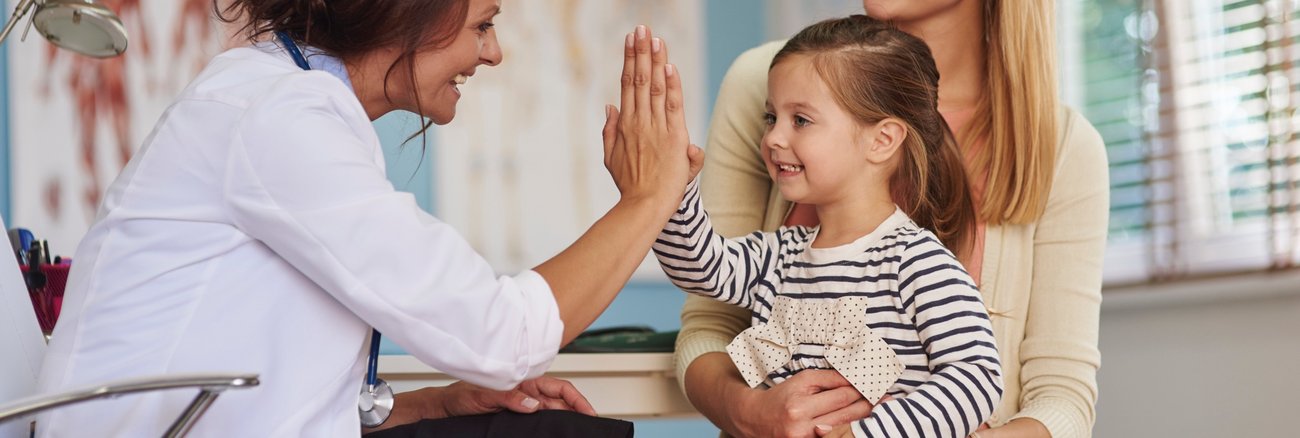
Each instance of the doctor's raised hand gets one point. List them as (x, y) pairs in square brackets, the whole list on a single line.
[(646, 140), (649, 156)]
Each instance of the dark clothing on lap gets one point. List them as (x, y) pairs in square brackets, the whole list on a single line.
[(541, 424)]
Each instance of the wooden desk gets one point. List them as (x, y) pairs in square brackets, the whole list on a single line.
[(620, 385)]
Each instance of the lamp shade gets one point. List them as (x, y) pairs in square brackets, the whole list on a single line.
[(82, 26)]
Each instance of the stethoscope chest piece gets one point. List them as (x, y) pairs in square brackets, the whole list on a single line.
[(376, 400), (376, 403)]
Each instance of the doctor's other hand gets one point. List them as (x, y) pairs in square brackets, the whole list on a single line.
[(460, 398), (646, 144), (532, 395)]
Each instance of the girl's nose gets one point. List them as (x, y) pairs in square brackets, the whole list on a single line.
[(773, 141)]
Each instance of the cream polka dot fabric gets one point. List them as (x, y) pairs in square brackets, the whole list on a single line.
[(838, 325)]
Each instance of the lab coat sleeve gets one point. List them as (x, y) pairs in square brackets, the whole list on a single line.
[(304, 178)]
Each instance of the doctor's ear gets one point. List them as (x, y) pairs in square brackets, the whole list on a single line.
[(886, 136)]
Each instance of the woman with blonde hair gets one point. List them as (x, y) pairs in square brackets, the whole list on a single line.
[(1038, 173)]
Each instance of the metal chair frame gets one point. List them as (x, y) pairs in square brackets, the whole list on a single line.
[(210, 386)]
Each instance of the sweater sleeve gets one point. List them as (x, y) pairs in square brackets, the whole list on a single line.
[(965, 383), (735, 188), (701, 262), (1059, 355)]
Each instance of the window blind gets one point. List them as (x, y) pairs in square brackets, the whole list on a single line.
[(1196, 102)]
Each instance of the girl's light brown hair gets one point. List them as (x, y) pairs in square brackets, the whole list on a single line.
[(1017, 114), (874, 72)]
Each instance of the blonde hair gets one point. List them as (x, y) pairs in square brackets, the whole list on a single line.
[(1018, 112)]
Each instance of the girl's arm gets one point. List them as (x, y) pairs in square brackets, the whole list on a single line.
[(701, 262), (953, 325)]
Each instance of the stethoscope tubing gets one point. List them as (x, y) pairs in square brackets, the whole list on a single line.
[(374, 410), (372, 364)]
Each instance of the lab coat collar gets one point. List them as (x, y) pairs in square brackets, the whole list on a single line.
[(316, 58)]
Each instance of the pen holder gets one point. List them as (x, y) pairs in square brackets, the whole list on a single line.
[(45, 288)]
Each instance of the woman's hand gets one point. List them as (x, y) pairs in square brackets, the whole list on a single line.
[(845, 428), (647, 148), (802, 405), (841, 431)]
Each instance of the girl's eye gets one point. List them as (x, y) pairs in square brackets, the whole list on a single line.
[(769, 119), (800, 121), (485, 26)]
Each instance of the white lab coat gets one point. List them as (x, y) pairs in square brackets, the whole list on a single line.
[(255, 231)]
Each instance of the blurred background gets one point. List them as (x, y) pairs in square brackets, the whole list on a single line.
[(1196, 101)]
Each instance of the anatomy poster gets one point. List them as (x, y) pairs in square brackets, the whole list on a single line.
[(520, 170), (76, 120)]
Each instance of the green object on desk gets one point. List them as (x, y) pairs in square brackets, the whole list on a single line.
[(636, 339)]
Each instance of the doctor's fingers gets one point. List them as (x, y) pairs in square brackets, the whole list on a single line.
[(635, 81), (658, 64), (609, 134), (626, 83), (676, 119), (644, 74), (558, 394)]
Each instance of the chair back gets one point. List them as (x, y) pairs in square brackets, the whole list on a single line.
[(22, 346)]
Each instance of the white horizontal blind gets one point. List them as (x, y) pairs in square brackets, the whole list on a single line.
[(1196, 103), (1231, 75)]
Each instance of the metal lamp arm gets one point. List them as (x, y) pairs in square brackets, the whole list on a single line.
[(19, 12)]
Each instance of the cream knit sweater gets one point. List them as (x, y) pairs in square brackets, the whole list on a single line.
[(1040, 281)]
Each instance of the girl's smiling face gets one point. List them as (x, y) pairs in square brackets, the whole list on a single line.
[(814, 150)]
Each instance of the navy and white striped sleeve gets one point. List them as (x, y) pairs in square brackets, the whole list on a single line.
[(702, 262), (953, 325)]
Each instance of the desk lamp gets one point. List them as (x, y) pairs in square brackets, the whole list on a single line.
[(83, 26)]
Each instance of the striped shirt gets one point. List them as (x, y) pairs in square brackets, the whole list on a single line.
[(921, 302)]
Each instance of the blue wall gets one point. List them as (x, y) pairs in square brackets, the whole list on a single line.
[(410, 166)]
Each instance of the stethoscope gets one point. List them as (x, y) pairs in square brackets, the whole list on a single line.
[(376, 401)]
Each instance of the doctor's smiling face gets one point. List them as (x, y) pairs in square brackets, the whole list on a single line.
[(439, 71)]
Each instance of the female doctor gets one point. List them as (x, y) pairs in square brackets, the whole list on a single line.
[(255, 231)]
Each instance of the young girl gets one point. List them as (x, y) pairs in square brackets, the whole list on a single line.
[(854, 130)]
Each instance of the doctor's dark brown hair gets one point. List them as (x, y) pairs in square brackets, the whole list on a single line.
[(349, 29), (874, 72)]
